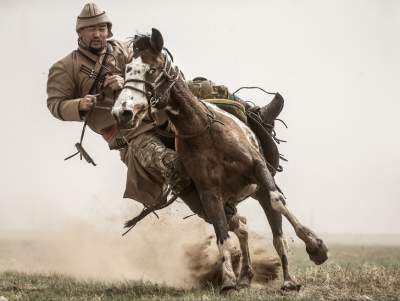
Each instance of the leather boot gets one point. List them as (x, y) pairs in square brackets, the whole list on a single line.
[(267, 113), (271, 111), (155, 156), (173, 171)]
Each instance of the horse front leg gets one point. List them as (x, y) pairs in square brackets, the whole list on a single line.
[(214, 210), (315, 247), (238, 225)]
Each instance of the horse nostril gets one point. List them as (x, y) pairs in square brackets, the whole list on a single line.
[(126, 115)]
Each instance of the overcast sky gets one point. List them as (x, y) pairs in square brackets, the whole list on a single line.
[(336, 63)]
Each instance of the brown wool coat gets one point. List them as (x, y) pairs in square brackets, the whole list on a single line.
[(68, 83)]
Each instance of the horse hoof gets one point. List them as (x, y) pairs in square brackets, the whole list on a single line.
[(245, 279), (290, 286), (318, 253), (228, 290), (245, 283)]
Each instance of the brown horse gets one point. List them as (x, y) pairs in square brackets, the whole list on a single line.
[(220, 154)]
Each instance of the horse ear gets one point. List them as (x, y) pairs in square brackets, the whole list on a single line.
[(156, 40)]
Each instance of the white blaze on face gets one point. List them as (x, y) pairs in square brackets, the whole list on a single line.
[(129, 99)]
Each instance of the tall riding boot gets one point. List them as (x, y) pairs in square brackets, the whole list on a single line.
[(271, 111), (155, 156), (267, 113)]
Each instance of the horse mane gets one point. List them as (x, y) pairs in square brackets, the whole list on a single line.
[(139, 42)]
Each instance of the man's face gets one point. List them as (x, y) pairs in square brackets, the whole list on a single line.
[(95, 36)]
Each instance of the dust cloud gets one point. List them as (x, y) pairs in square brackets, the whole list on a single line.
[(204, 266), (169, 250)]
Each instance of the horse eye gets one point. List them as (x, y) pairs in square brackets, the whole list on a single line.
[(128, 69), (151, 71)]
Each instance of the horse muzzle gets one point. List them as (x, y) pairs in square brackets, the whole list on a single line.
[(123, 116)]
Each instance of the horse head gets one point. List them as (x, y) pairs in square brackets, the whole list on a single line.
[(149, 78)]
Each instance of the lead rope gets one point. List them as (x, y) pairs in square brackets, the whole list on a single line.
[(266, 92), (79, 146)]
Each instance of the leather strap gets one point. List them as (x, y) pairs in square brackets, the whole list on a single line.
[(97, 70)]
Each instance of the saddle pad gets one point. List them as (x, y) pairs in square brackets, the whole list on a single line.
[(230, 106)]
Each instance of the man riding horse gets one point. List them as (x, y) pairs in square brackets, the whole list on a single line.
[(84, 85)]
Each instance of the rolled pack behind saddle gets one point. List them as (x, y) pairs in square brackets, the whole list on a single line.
[(219, 95)]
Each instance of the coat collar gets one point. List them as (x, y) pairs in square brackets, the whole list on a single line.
[(90, 55)]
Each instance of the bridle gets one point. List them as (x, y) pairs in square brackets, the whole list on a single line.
[(169, 74)]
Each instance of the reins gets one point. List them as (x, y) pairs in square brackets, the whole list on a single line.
[(254, 87)]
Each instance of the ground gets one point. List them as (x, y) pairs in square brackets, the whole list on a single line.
[(351, 273)]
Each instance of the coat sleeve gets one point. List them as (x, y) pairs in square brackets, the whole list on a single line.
[(60, 92)]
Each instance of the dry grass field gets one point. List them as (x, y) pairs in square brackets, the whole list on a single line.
[(353, 272)]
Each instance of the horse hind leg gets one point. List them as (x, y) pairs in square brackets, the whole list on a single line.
[(214, 211), (238, 225), (275, 222), (315, 247)]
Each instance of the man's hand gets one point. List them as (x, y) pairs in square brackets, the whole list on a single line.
[(115, 82), (87, 103)]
